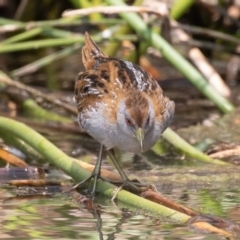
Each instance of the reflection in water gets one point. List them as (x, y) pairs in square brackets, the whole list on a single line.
[(97, 216), (62, 218)]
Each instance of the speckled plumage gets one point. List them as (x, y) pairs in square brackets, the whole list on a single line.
[(112, 92)]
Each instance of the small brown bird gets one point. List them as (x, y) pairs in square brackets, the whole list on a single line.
[(119, 104)]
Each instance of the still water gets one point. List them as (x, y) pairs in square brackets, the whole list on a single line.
[(62, 217)]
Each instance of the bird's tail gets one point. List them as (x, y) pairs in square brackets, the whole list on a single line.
[(90, 51)]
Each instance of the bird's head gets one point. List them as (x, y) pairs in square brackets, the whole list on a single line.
[(136, 117)]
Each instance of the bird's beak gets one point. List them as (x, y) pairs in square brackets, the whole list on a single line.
[(140, 137)]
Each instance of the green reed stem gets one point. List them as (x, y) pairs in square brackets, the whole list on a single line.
[(70, 166), (179, 7), (62, 22), (23, 36), (34, 66), (55, 42), (189, 150), (110, 50), (4, 21), (21, 145), (58, 33), (31, 108)]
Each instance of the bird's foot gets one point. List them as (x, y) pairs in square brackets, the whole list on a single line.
[(91, 191), (95, 175), (133, 186)]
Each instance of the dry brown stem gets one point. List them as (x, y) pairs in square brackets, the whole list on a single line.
[(36, 93), (160, 11)]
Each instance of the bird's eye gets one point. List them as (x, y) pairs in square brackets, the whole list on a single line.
[(129, 122)]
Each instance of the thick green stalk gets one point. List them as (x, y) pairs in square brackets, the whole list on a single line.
[(76, 3), (70, 166), (189, 150), (180, 7), (31, 108), (9, 139), (87, 4), (174, 58), (113, 46)]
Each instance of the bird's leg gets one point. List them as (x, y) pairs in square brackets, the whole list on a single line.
[(112, 156), (135, 186), (96, 173)]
